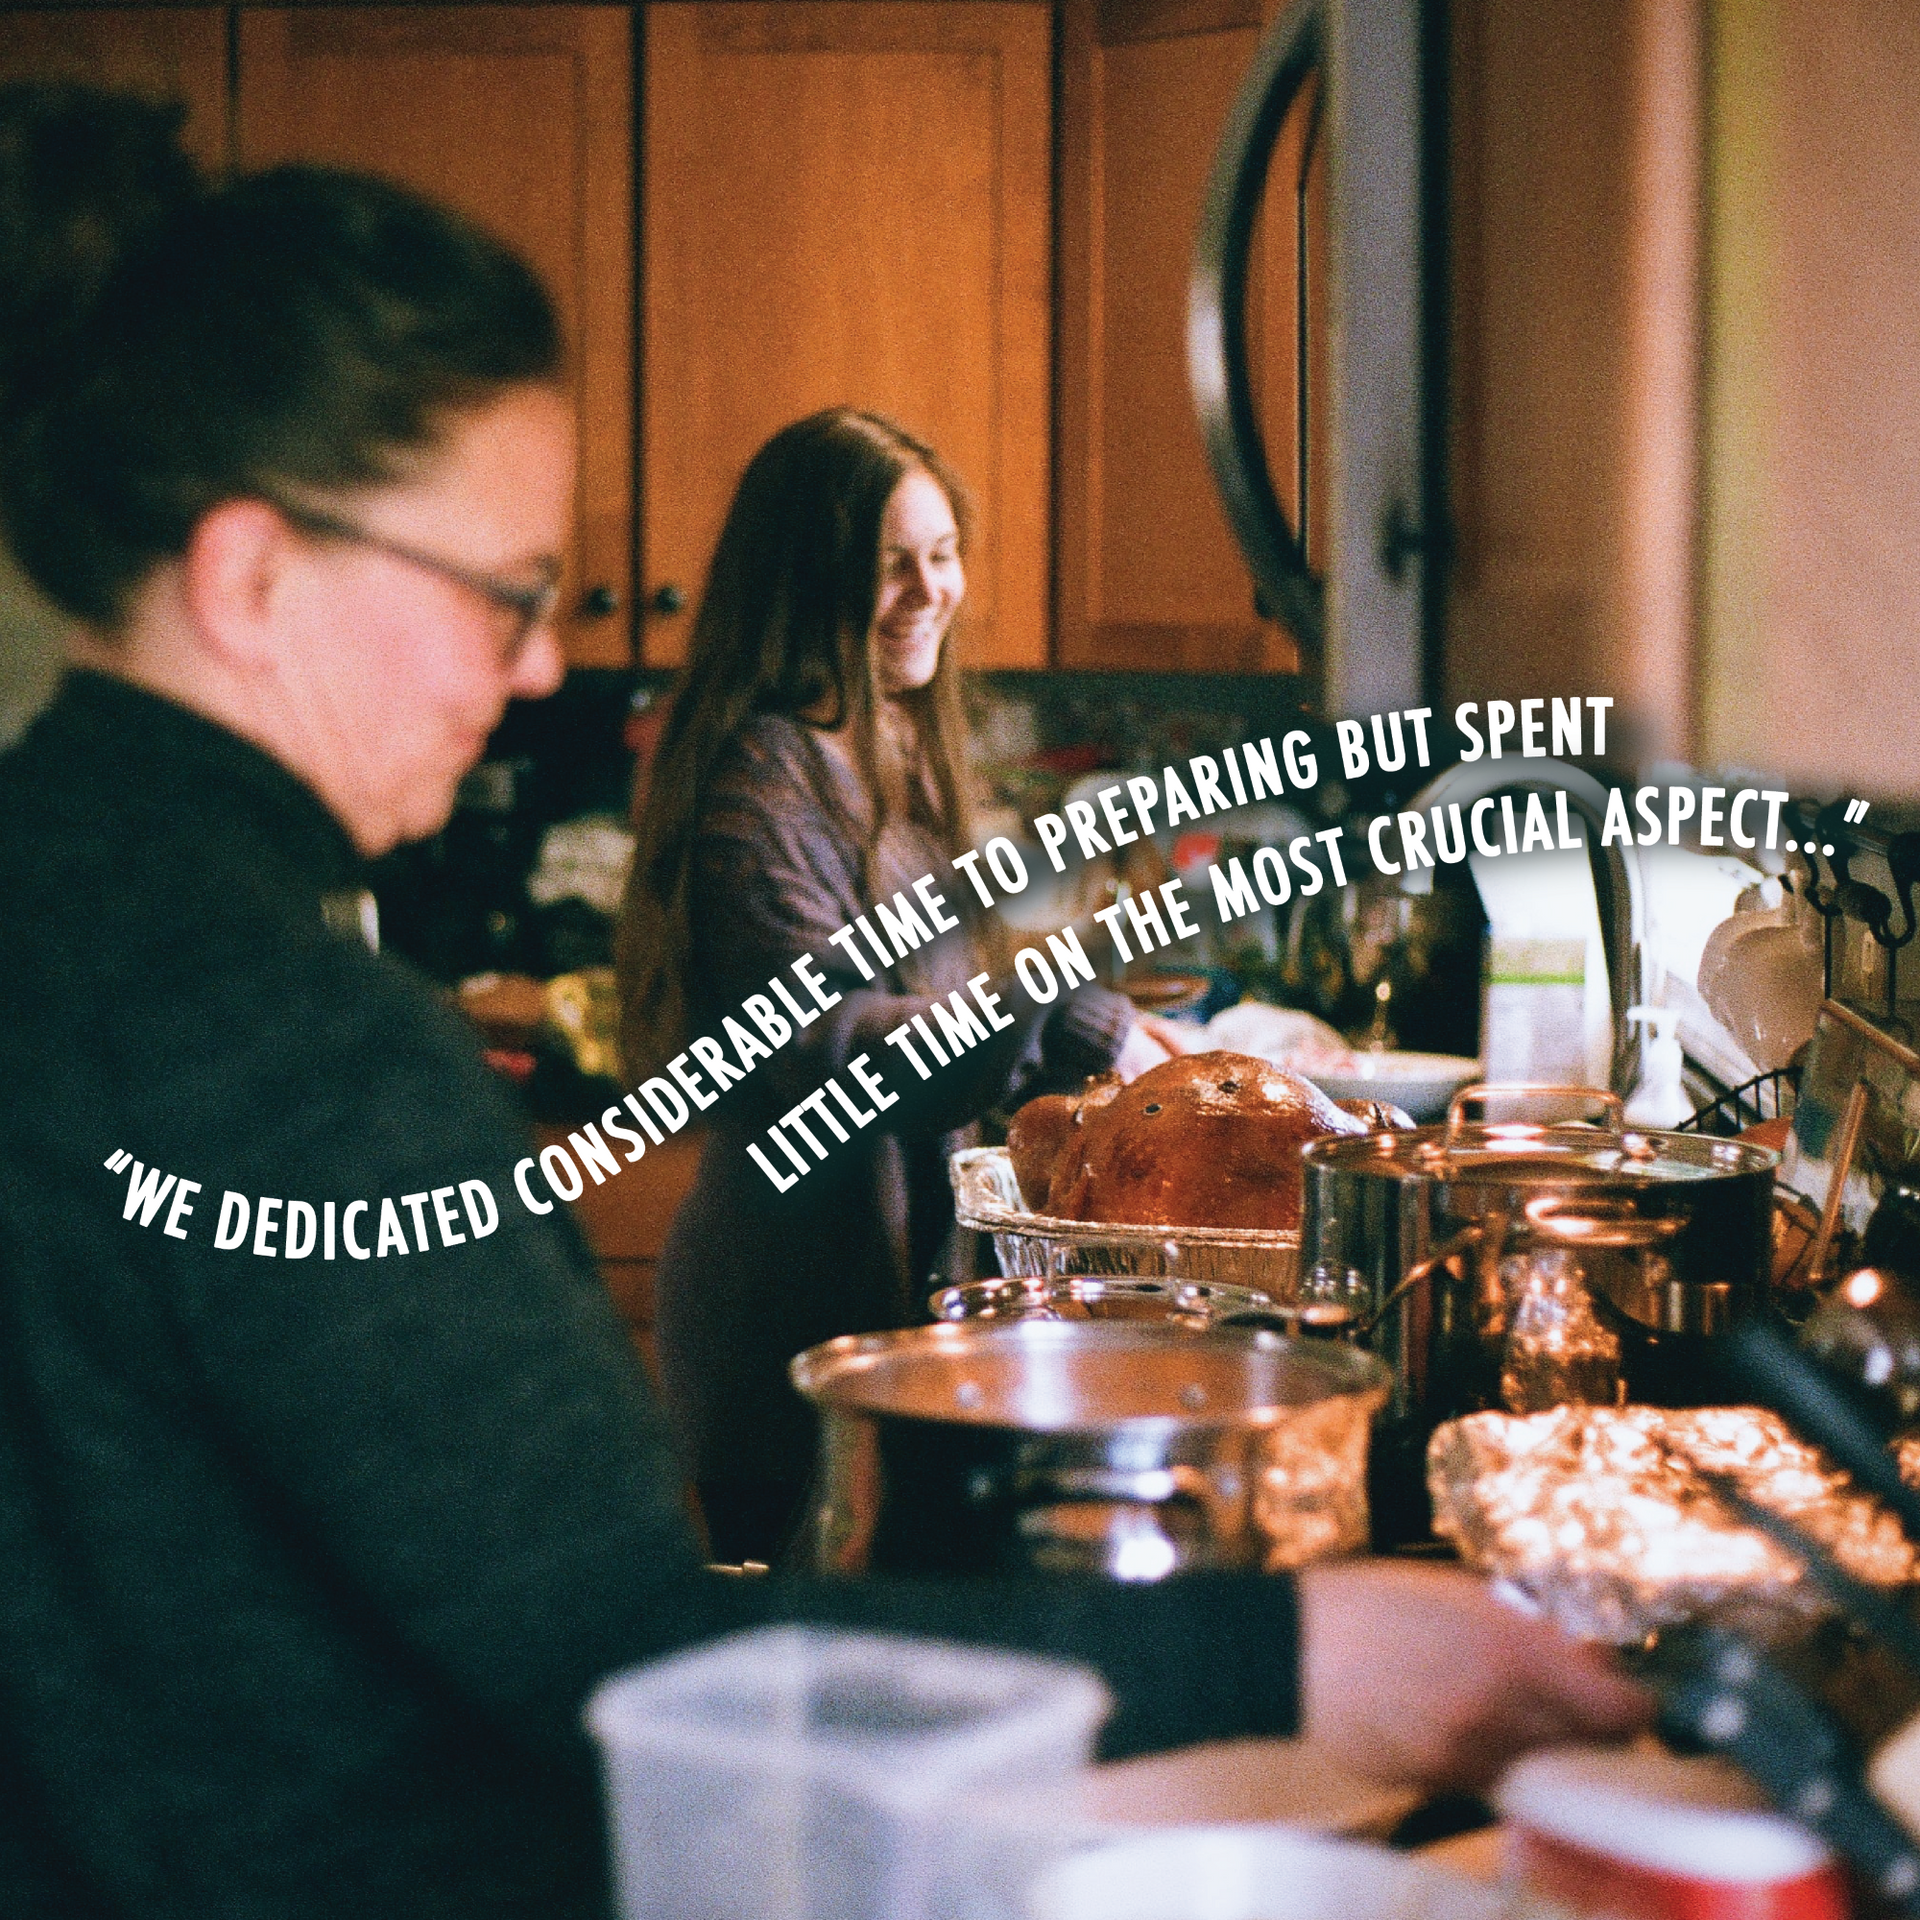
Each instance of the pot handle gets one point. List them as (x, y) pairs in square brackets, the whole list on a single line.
[(1420, 1273), (1137, 1487), (1484, 1090)]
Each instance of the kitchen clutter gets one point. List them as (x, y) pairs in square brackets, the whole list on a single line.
[(807, 1775), (1495, 1323), (1563, 1290)]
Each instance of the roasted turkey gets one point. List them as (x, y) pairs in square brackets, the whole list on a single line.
[(1205, 1140)]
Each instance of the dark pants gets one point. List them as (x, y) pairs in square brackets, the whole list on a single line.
[(750, 1519)]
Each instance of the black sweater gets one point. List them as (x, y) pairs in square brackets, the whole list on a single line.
[(308, 1564)]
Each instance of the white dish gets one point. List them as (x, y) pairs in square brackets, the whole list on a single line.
[(1422, 1083), (1255, 1873), (1286, 1036), (1235, 1782)]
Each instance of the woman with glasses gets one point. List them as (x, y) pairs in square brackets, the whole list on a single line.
[(329, 1483)]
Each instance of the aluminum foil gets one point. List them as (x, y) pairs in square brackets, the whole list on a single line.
[(1596, 1514)]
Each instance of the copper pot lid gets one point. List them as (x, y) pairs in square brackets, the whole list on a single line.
[(1066, 1376), (1550, 1153)]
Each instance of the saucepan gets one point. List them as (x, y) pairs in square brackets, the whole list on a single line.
[(1130, 1449)]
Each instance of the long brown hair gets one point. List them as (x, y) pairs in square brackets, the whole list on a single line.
[(783, 627)]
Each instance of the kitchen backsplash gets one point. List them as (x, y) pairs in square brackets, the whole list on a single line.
[(500, 889), (458, 903)]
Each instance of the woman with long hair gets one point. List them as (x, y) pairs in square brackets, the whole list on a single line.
[(814, 762)]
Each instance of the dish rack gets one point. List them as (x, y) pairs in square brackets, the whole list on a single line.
[(1767, 1096), (1033, 1245)]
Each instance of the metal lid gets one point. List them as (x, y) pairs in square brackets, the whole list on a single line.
[(1064, 1376), (1096, 1297), (1525, 1152)]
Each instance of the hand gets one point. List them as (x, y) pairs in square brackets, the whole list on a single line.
[(1177, 1036), (1139, 1051), (1419, 1675)]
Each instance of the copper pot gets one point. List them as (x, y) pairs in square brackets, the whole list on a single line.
[(1670, 1232)]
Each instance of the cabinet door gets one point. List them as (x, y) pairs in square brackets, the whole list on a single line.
[(1149, 575), (520, 117), (848, 203), (165, 54), (626, 1221)]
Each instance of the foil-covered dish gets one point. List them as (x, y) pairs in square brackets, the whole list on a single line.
[(1033, 1245), (1606, 1518)]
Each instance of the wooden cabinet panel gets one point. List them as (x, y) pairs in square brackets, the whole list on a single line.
[(625, 1220), (163, 53), (849, 203), (627, 1217), (1542, 120), (1149, 575), (521, 117)]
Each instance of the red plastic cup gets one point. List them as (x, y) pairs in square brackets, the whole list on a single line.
[(1647, 1836)]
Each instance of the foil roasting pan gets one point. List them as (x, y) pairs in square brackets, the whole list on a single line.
[(1600, 1516), (1033, 1245)]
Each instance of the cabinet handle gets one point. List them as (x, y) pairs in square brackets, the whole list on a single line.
[(668, 599), (598, 602)]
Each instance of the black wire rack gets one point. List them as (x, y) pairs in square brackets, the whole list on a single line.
[(1768, 1096)]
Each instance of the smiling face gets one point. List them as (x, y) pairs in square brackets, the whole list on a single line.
[(922, 582), (402, 672)]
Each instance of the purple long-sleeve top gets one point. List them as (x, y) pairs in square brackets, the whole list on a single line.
[(751, 1275)]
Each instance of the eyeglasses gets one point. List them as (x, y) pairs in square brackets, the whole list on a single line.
[(531, 606)]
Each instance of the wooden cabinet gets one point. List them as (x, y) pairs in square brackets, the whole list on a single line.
[(848, 203), (831, 201), (626, 1219), (1148, 573), (521, 117), (164, 53)]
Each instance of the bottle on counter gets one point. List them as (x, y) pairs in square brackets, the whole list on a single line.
[(1660, 1100), (1546, 1018)]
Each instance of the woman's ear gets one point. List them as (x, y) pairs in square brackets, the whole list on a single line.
[(235, 568)]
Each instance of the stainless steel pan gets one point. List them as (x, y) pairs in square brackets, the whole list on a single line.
[(1122, 1448)]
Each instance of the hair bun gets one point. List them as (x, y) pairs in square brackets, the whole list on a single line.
[(87, 180)]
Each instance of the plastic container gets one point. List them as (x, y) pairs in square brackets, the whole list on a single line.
[(796, 1774)]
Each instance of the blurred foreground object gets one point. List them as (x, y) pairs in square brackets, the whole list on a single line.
[(1652, 1836), (1598, 1516), (794, 1774)]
